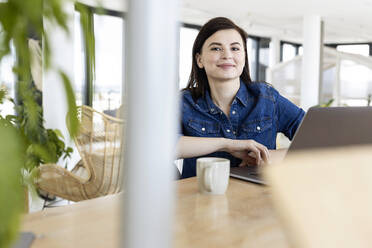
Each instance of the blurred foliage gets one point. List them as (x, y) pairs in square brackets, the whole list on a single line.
[(11, 190), (23, 147), (24, 141), (329, 103), (326, 104), (41, 145), (19, 18)]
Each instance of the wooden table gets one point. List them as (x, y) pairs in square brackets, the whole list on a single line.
[(243, 217)]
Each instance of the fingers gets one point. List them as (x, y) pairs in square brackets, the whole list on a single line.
[(257, 154), (265, 153), (260, 152), (242, 164), (245, 149), (248, 161)]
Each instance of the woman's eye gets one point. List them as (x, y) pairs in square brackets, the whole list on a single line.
[(235, 48), (216, 49)]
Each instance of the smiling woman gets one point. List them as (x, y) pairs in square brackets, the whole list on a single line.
[(222, 57), (224, 113)]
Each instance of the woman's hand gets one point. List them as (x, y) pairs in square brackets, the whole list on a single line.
[(249, 151)]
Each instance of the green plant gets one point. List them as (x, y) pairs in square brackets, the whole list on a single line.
[(326, 104), (17, 19), (369, 97), (45, 146), (24, 142), (11, 197)]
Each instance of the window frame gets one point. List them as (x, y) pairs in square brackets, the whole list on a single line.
[(296, 46), (334, 45), (88, 87)]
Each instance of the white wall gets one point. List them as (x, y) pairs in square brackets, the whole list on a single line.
[(62, 57)]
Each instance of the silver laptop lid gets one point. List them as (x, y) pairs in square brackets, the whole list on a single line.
[(333, 127)]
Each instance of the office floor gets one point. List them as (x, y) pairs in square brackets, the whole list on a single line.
[(38, 204)]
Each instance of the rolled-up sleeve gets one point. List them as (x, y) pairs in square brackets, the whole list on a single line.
[(289, 116)]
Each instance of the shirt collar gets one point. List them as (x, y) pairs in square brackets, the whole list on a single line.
[(241, 95)]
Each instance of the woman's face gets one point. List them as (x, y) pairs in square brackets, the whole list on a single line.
[(222, 55)]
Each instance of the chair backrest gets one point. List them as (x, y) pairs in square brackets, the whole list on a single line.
[(100, 142)]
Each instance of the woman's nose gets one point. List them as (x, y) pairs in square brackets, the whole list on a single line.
[(226, 53)]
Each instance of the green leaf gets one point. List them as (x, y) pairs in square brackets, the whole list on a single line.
[(72, 119), (11, 162), (2, 95), (59, 133)]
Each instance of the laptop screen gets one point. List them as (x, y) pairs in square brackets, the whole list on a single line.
[(334, 127)]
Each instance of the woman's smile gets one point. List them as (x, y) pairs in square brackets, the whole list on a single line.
[(226, 66)]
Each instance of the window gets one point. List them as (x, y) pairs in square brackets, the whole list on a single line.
[(108, 33), (104, 91), (362, 49), (264, 46), (355, 84), (289, 50), (258, 57), (187, 38), (300, 50), (7, 81)]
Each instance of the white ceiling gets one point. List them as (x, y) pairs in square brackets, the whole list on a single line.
[(344, 20)]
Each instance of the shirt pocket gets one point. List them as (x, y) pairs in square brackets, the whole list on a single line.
[(258, 128), (202, 128)]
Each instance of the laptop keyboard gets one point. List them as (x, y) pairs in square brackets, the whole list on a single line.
[(254, 173)]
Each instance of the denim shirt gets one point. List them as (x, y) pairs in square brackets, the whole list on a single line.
[(258, 112)]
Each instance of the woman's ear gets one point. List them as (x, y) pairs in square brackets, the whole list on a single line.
[(199, 60)]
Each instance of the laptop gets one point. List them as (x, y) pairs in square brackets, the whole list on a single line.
[(321, 128)]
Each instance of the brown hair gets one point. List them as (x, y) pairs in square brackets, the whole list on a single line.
[(198, 81)]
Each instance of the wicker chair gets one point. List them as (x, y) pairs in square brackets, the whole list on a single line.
[(99, 173)]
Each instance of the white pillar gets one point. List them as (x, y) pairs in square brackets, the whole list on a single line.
[(274, 54), (311, 60), (151, 85), (274, 57)]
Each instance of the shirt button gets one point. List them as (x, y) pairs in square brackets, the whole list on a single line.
[(228, 130), (258, 128), (212, 109), (233, 112), (203, 129), (234, 132)]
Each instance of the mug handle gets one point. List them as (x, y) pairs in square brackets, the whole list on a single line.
[(208, 178)]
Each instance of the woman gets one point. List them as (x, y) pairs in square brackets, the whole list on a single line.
[(224, 113)]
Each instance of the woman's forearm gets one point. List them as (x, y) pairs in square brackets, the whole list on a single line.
[(188, 146)]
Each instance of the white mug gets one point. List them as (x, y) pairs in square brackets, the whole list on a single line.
[(213, 175)]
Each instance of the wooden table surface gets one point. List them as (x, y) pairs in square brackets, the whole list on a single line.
[(324, 197), (243, 217)]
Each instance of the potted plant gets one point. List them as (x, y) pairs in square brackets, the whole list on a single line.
[(24, 141)]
